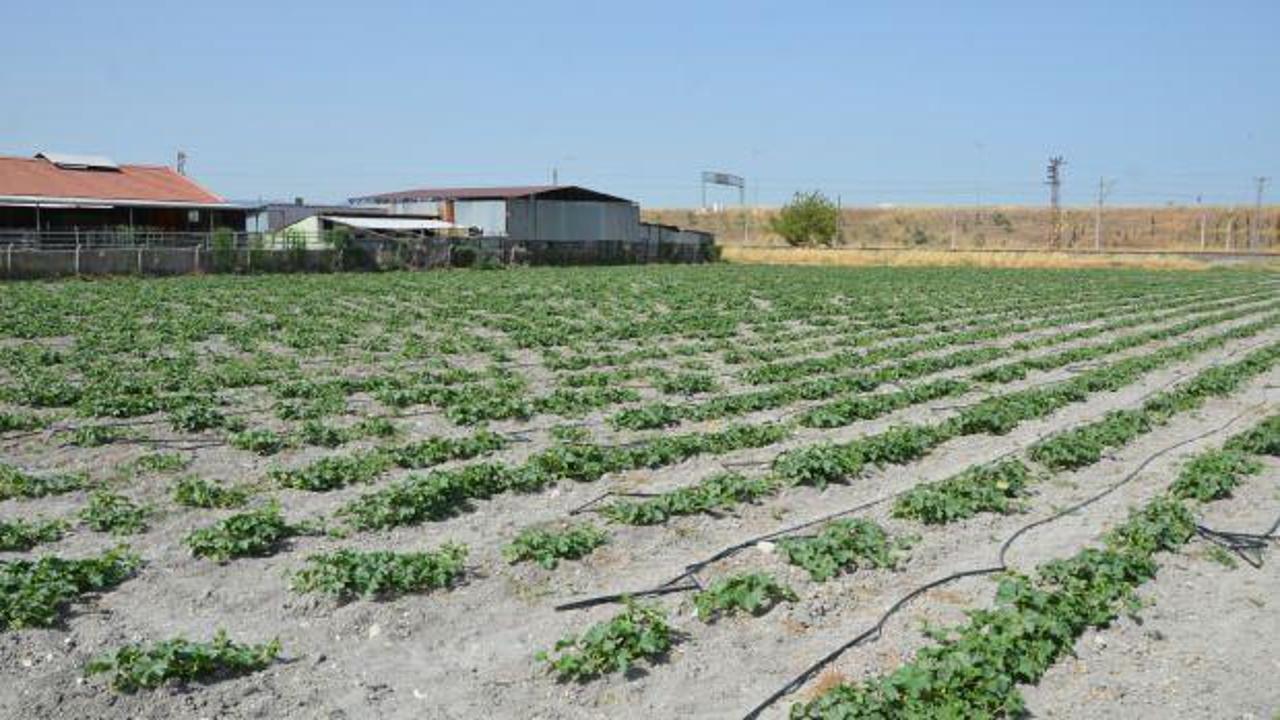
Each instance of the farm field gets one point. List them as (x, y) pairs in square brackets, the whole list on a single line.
[(642, 492)]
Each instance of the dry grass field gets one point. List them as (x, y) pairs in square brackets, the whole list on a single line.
[(1124, 228)]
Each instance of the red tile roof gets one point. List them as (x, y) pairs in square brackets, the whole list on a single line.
[(37, 177)]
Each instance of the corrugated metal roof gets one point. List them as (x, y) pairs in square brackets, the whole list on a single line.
[(389, 223), (41, 178), (573, 192)]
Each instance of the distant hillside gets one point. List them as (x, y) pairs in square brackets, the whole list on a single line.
[(1130, 228)]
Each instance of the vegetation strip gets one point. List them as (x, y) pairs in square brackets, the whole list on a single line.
[(347, 574), (37, 593), (147, 667), (975, 668)]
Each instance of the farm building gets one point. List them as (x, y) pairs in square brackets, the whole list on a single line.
[(316, 231), (547, 213), (274, 216), (56, 198)]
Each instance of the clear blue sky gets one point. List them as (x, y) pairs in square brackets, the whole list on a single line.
[(913, 103)]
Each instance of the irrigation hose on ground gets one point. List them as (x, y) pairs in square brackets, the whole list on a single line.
[(688, 581), (1003, 566)]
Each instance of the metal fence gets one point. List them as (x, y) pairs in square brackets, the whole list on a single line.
[(31, 255)]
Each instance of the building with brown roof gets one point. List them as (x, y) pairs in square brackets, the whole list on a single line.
[(53, 197), (546, 213)]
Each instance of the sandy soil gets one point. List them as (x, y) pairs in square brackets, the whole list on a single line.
[(468, 652)]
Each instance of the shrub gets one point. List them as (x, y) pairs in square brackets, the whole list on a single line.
[(809, 219)]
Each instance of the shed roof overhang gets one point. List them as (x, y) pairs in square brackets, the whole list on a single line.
[(41, 201)]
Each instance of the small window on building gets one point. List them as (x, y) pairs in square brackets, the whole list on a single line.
[(193, 216)]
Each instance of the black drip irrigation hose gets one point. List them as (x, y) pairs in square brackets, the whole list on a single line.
[(745, 544), (1247, 546), (605, 496), (874, 631)]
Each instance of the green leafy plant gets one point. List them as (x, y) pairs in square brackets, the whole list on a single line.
[(200, 493), (987, 488), (1264, 439), (752, 593), (843, 546), (256, 533), (163, 462), (15, 483), (348, 573), (147, 667), (10, 422), (717, 492), (95, 435), (21, 535), (261, 441), (114, 513), (688, 383), (196, 416), (639, 632), (547, 546), (975, 669), (315, 432), (35, 593), (1213, 475), (334, 472)]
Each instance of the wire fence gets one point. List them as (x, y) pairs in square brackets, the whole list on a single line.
[(32, 255)]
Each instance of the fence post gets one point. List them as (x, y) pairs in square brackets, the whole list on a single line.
[(139, 261), (8, 261), (195, 264), (77, 256)]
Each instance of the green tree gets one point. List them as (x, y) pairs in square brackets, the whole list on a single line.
[(809, 219)]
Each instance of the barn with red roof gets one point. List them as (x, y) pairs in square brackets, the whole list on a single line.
[(53, 197)]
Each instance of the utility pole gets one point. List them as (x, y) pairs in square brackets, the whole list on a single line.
[(1201, 208), (1054, 181), (1256, 229), (839, 220), (977, 186), (1104, 189)]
